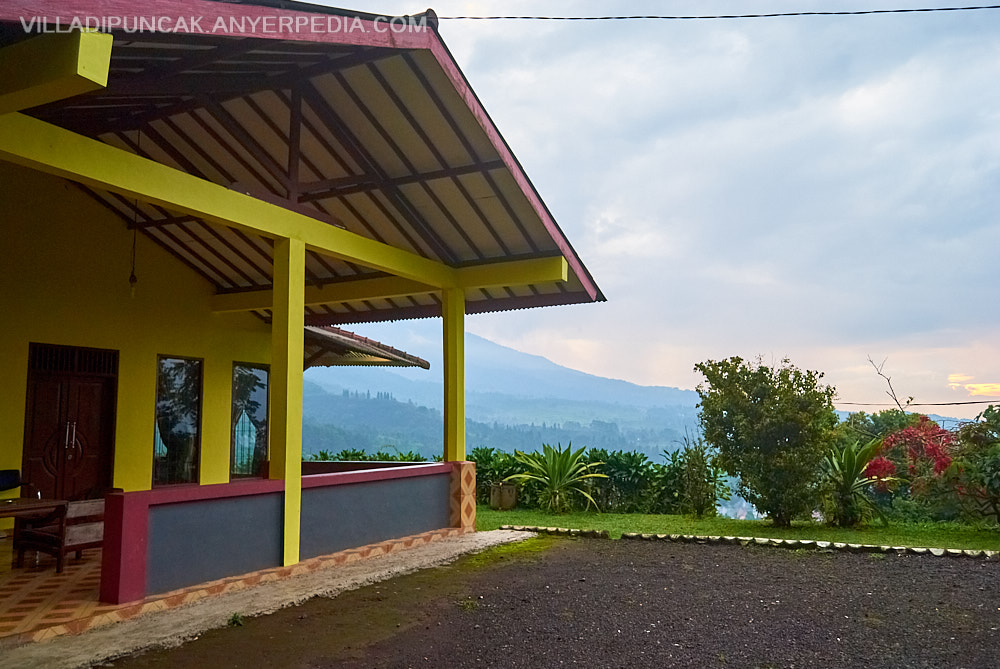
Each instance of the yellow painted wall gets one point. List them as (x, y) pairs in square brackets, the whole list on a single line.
[(64, 267)]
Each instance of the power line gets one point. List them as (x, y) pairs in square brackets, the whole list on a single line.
[(661, 17), (916, 404)]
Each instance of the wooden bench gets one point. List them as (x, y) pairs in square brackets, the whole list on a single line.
[(81, 527)]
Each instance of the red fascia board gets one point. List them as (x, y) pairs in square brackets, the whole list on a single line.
[(365, 475), (355, 30)]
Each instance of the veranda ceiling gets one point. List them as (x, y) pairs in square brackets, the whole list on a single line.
[(377, 140)]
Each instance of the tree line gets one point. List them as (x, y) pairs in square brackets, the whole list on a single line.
[(773, 432)]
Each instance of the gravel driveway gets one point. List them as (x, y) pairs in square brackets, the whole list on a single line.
[(600, 603)]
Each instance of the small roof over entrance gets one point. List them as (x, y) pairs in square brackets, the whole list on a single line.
[(330, 347)]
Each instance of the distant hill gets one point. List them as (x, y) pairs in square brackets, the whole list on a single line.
[(499, 380), (371, 421), (503, 408)]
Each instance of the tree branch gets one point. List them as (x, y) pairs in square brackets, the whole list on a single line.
[(892, 391)]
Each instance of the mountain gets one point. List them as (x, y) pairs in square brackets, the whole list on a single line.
[(368, 421), (501, 384), (513, 400)]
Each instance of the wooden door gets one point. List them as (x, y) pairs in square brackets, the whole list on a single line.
[(69, 424)]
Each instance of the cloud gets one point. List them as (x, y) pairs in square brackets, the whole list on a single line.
[(983, 389), (823, 188), (955, 381), (959, 382)]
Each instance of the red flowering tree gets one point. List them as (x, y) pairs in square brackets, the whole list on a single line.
[(920, 455), (926, 447)]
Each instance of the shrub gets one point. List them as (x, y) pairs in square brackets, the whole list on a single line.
[(848, 481), (359, 455), (351, 455), (493, 466), (627, 484), (702, 483), (561, 474), (665, 491)]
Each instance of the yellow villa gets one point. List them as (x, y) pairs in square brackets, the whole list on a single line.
[(190, 210)]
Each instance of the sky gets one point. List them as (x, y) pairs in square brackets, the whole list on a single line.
[(822, 189)]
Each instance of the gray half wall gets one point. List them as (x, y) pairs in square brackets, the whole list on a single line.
[(338, 517), (205, 540)]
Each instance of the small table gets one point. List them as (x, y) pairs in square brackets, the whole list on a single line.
[(39, 510), (30, 507)]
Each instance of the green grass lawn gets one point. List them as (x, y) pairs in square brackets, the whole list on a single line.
[(931, 535)]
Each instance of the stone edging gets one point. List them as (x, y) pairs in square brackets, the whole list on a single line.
[(761, 541), (563, 531)]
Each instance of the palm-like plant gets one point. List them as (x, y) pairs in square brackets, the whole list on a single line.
[(560, 473), (846, 484)]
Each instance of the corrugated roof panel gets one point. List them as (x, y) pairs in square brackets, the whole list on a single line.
[(372, 209), (239, 161), (330, 152), (259, 132), (495, 210), (353, 220), (328, 267), (261, 267), (422, 199), (523, 210), (456, 106), (411, 100), (228, 248), (166, 236), (276, 107), (339, 309), (454, 205), (341, 105), (176, 132)]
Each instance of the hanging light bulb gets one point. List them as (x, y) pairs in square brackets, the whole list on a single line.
[(132, 278)]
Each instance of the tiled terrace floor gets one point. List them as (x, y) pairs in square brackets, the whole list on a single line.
[(35, 596), (37, 604)]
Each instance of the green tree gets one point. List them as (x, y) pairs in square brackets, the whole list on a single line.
[(772, 427), (975, 472), (859, 426)]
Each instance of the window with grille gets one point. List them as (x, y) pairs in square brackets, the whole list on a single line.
[(249, 421)]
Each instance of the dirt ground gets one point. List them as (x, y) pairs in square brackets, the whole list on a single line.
[(560, 602), (172, 627)]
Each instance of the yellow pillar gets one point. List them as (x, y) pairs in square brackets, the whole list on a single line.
[(286, 383), (453, 311)]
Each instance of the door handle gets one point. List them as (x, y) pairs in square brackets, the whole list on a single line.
[(72, 443), (66, 438)]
